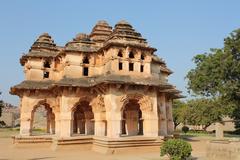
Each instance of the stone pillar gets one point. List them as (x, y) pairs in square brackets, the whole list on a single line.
[(26, 124), (114, 65), (170, 124), (148, 106), (113, 116), (163, 118), (113, 124), (137, 66), (132, 122), (125, 65), (81, 70), (89, 125), (77, 126), (147, 68), (219, 130), (150, 125), (66, 124), (52, 126), (57, 124), (100, 126)]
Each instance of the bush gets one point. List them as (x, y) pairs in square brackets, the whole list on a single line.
[(176, 149), (185, 129)]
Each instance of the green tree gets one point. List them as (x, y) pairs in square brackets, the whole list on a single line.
[(217, 75), (180, 112), (204, 112)]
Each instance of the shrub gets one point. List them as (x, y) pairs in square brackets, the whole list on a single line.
[(176, 149), (185, 129)]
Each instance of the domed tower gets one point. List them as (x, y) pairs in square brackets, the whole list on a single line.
[(80, 56), (44, 42), (125, 32), (39, 61), (131, 55), (100, 32)]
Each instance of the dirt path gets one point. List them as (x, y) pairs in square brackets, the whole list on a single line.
[(39, 152)]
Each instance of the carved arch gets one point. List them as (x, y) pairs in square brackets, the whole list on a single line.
[(98, 104), (143, 100), (81, 99)]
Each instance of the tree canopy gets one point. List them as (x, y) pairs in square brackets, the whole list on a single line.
[(217, 74), (180, 112), (200, 111)]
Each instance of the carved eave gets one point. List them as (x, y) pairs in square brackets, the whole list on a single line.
[(166, 70), (171, 90), (178, 96), (37, 54)]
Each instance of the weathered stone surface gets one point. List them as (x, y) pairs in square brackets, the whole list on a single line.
[(108, 84), (223, 149)]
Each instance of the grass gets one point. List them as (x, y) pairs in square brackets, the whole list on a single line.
[(8, 132), (207, 135)]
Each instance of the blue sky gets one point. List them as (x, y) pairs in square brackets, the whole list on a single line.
[(178, 29)]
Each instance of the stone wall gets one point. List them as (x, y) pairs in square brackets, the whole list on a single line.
[(10, 115), (8, 119), (223, 149)]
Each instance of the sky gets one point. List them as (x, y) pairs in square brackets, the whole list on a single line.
[(178, 29)]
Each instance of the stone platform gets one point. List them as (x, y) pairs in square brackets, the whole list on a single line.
[(98, 144), (32, 139)]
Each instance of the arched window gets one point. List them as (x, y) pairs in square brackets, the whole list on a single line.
[(85, 71), (120, 54), (131, 66), (120, 66), (46, 64), (131, 55), (141, 68), (86, 60), (142, 57)]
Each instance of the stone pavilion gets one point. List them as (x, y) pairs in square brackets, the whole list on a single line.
[(106, 89)]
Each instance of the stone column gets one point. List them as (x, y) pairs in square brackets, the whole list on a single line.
[(148, 106), (114, 65), (125, 64), (81, 70), (52, 126), (163, 118), (26, 124), (57, 124), (137, 66), (48, 122), (81, 126), (150, 125), (147, 68), (100, 127), (113, 124), (89, 126), (113, 115), (66, 124), (170, 124)]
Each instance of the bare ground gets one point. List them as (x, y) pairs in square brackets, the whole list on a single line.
[(9, 151)]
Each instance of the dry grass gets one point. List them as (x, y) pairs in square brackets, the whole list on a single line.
[(8, 132)]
